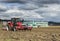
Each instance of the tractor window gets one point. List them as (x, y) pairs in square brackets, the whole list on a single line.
[(16, 20), (12, 20), (19, 20)]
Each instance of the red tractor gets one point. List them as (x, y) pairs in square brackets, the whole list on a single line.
[(17, 24)]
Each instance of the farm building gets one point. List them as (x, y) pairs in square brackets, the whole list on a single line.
[(37, 23)]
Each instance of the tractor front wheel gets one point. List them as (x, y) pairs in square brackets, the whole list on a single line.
[(7, 28)]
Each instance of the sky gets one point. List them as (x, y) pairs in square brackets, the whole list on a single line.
[(46, 10)]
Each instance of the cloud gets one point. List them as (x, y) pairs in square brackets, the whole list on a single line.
[(42, 9), (50, 9), (23, 13), (13, 1), (53, 15), (32, 1), (29, 6), (2, 8), (50, 12)]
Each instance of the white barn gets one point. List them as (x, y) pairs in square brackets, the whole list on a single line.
[(37, 23)]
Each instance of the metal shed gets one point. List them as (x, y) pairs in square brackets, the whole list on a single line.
[(37, 23)]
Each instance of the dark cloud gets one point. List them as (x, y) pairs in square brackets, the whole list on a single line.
[(3, 10), (50, 1), (13, 1), (33, 1)]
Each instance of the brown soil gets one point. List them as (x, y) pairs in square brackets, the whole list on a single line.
[(37, 34)]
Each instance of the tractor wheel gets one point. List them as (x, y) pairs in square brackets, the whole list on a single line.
[(7, 28), (14, 29)]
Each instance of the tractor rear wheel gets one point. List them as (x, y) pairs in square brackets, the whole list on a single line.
[(14, 29)]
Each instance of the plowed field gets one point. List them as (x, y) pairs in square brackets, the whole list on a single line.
[(36, 34)]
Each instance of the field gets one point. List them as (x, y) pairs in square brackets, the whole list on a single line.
[(37, 34)]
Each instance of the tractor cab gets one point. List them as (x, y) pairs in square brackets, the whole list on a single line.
[(17, 20)]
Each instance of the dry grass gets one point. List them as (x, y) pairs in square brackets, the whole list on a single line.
[(37, 34)]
